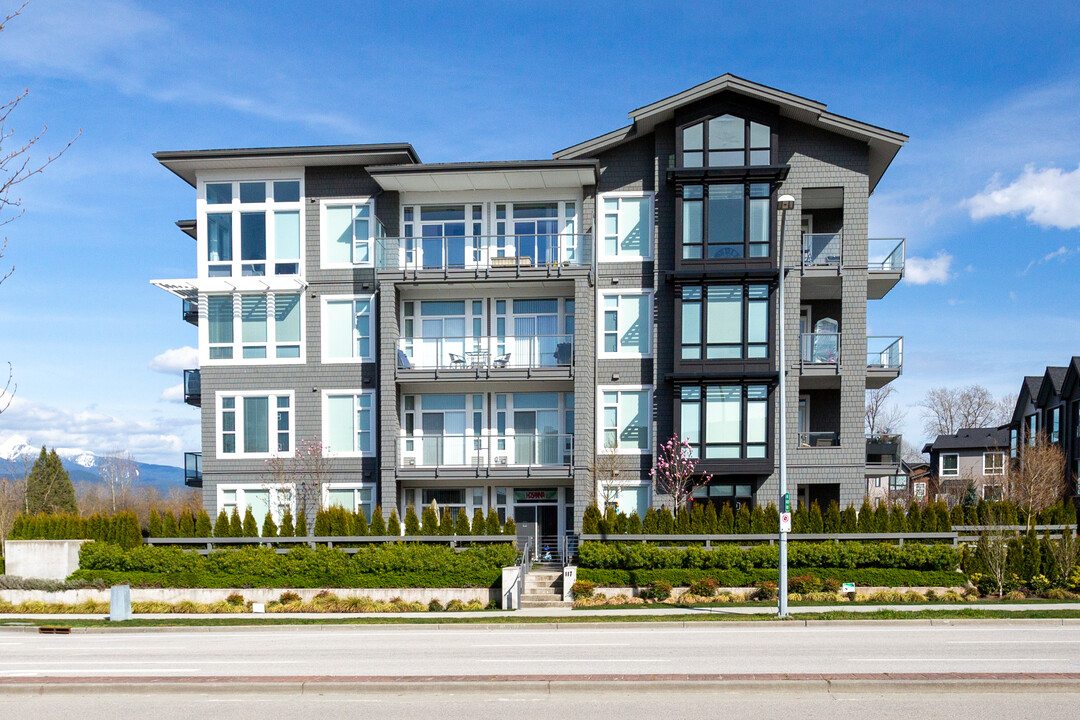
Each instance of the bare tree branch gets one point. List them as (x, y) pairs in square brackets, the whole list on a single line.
[(946, 410), (883, 415)]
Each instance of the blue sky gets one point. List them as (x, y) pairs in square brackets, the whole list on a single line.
[(987, 192)]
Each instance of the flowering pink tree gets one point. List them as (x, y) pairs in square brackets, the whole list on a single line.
[(301, 476), (675, 472)]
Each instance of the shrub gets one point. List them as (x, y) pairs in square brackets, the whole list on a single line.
[(1059, 594), (742, 520), (412, 523), (492, 526), (169, 528), (251, 528), (705, 587), (269, 527), (1039, 584), (1014, 595), (393, 525), (831, 585), (429, 525), (288, 597), (633, 523), (665, 522), (805, 584), (235, 599), (455, 605), (221, 526), (236, 525), (301, 524), (446, 523), (287, 529), (461, 525), (831, 521), (434, 605), (583, 589), (590, 520), (477, 527), (322, 524), (766, 590), (510, 528), (817, 523), (848, 520), (187, 525), (154, 526), (649, 522), (658, 590), (726, 522), (359, 523)]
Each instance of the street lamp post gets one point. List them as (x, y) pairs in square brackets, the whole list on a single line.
[(783, 203)]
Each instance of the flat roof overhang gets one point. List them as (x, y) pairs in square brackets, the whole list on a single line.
[(189, 289), (186, 164), (492, 176)]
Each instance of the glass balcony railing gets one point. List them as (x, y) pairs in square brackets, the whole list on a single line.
[(193, 469), (820, 348), (463, 353), (884, 352), (191, 311), (490, 451), (885, 254), (476, 252), (822, 248), (819, 439), (883, 450), (193, 388)]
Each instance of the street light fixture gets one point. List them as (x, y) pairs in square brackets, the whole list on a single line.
[(783, 203)]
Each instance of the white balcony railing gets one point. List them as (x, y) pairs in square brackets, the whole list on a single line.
[(490, 451), (475, 252), (884, 352), (505, 351)]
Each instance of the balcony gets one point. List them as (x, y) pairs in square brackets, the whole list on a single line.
[(193, 469), (883, 454), (824, 257), (884, 265), (486, 455), (884, 360), (819, 360), (502, 358), (819, 439), (483, 255), (193, 388), (191, 311)]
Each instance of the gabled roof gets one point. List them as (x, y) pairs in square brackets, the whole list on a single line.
[(883, 144), (1072, 377), (1051, 385), (1029, 392), (971, 439)]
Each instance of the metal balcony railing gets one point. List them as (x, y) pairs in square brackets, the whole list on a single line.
[(193, 469), (822, 249), (884, 352), (883, 450), (885, 254), (505, 351), (191, 311), (193, 388), (819, 439), (820, 348), (477, 252), (490, 451)]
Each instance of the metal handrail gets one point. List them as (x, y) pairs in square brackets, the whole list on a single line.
[(501, 351), (486, 450), (885, 254), (467, 252), (822, 249), (827, 438), (889, 357), (820, 348)]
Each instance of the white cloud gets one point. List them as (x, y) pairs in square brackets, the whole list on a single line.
[(175, 361), (1047, 197), (923, 271), (173, 394), (1061, 255)]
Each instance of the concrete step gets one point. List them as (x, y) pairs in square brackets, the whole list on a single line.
[(542, 594), (542, 603)]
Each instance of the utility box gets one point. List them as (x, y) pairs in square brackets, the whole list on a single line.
[(120, 603)]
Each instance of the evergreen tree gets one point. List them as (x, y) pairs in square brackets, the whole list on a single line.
[(633, 524), (154, 525), (429, 524), (682, 521), (221, 526), (800, 519), (1069, 517), (492, 526), (446, 522), (510, 528), (650, 523), (48, 486), (742, 520), (169, 526), (727, 520), (360, 523), (970, 499), (817, 522), (287, 529), (665, 523), (1032, 564), (620, 523), (250, 528), (461, 523), (972, 515), (477, 527), (590, 520), (897, 520), (849, 520), (377, 526), (831, 521), (914, 518), (982, 508), (236, 525), (867, 521), (301, 528), (757, 520), (393, 525), (269, 528), (412, 523), (772, 518), (881, 518), (187, 524), (322, 524), (697, 519), (711, 520)]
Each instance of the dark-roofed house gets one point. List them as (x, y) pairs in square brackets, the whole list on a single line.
[(971, 456)]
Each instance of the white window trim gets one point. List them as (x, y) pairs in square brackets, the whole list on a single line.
[(941, 465), (327, 487), (995, 473), (281, 497), (326, 394), (238, 329), (238, 176), (600, 390), (373, 316), (323, 240), (272, 427), (602, 255), (651, 295)]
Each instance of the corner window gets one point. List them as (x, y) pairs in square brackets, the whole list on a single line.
[(950, 465), (993, 463), (251, 228), (254, 425), (626, 319), (349, 423), (725, 221), (725, 421), (349, 231), (725, 322), (626, 419), (268, 327), (627, 223), (725, 141), (347, 328)]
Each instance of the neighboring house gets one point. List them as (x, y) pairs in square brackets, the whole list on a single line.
[(971, 456), (483, 335), (1050, 405)]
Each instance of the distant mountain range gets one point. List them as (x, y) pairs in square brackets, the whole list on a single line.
[(84, 466)]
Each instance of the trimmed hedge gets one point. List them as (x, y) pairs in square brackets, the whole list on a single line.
[(384, 565), (121, 528), (682, 577)]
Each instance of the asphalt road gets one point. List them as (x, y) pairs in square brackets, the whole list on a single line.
[(859, 647)]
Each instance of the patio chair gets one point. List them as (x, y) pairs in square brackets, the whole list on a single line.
[(501, 361), (456, 361)]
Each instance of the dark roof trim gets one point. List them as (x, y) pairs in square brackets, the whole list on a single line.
[(188, 227), (299, 151), (492, 166)]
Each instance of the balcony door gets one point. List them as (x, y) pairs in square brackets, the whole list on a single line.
[(536, 325), (444, 437), (536, 437)]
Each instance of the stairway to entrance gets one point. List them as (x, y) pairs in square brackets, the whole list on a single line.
[(544, 587)]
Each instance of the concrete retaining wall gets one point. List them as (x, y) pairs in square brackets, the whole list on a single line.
[(43, 559), (262, 595), (860, 592)]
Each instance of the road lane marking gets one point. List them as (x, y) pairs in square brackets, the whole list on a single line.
[(589, 644), (962, 659), (564, 660)]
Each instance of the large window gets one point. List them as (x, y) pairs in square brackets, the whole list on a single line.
[(626, 419), (259, 498), (1031, 427), (1055, 424), (626, 319), (243, 328), (353, 498), (254, 424), (347, 328), (349, 230), (627, 224), (725, 221), (348, 423), (725, 322), (725, 141), (994, 463), (725, 421), (252, 228), (950, 465)]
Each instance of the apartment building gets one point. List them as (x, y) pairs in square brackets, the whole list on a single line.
[(523, 335)]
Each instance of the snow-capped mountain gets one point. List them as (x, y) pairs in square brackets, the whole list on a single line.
[(82, 465)]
